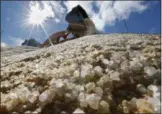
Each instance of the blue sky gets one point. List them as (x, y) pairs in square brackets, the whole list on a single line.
[(109, 16)]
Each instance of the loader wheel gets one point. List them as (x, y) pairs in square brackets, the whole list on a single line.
[(76, 36), (57, 40)]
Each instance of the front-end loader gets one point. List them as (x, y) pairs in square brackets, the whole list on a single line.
[(79, 24)]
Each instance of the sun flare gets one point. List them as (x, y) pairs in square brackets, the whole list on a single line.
[(36, 16)]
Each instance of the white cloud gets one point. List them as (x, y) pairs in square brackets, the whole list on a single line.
[(125, 8), (108, 11), (3, 44), (16, 41), (58, 10), (47, 10), (99, 23)]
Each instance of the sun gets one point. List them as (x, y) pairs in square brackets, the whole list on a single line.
[(36, 16)]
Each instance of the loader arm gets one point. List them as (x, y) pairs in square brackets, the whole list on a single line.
[(55, 38)]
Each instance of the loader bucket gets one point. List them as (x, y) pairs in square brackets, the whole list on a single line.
[(77, 15)]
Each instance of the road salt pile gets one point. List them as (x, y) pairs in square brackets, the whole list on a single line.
[(113, 74)]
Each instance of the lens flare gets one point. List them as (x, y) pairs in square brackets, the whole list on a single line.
[(37, 17)]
